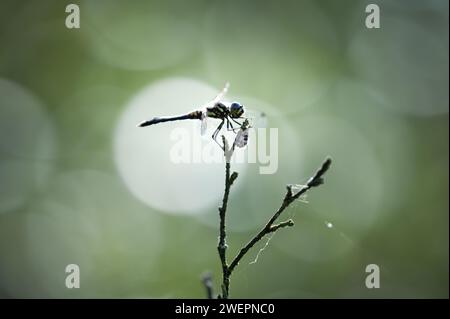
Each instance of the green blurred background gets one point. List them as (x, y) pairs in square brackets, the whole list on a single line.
[(76, 188)]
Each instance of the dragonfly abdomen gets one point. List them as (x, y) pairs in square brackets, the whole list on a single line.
[(196, 115)]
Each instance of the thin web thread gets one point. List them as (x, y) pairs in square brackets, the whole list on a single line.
[(262, 249)]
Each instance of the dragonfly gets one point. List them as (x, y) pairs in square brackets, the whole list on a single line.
[(230, 114)]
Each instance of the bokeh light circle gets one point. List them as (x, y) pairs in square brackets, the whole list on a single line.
[(287, 62), (350, 199), (406, 61), (87, 132), (141, 35), (143, 155), (87, 218), (27, 145)]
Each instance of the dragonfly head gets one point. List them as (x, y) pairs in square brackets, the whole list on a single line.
[(236, 110)]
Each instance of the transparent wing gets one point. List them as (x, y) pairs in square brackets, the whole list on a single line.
[(203, 125), (222, 94), (218, 97), (241, 138)]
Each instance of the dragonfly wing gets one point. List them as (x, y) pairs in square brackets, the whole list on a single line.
[(241, 138), (218, 97), (222, 94), (203, 125)]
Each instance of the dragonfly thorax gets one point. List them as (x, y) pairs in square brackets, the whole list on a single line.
[(218, 111)]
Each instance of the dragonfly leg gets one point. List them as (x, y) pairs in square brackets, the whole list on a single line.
[(230, 126), (235, 121), (216, 132)]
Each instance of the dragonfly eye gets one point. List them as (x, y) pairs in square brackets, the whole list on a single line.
[(236, 109)]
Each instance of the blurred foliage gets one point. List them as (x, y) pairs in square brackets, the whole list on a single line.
[(375, 100)]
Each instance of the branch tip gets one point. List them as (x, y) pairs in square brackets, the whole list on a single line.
[(317, 179), (287, 223)]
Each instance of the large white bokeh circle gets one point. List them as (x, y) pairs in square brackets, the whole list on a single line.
[(144, 155)]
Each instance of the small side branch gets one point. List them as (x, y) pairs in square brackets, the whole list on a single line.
[(286, 223)]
